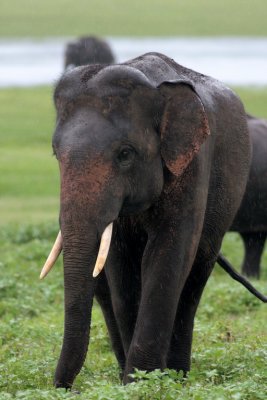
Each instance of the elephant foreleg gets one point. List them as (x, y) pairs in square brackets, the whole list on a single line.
[(162, 284)]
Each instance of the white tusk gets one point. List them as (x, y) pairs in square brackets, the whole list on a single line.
[(53, 256), (103, 250)]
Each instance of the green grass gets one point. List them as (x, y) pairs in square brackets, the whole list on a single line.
[(29, 182), (229, 358), (254, 100), (26, 116), (35, 18)]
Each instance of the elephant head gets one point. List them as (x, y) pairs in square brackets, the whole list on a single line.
[(119, 133)]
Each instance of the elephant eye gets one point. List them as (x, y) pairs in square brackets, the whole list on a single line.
[(126, 156)]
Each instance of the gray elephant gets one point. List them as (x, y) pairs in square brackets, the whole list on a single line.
[(159, 155), (251, 218), (88, 50)]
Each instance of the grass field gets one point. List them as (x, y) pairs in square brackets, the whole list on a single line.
[(29, 175), (30, 18), (230, 342)]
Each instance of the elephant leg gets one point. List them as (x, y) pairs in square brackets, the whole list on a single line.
[(254, 244), (125, 301), (161, 288), (103, 297), (173, 241), (179, 356), (123, 274)]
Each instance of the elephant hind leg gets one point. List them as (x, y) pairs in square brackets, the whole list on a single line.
[(254, 245), (103, 297)]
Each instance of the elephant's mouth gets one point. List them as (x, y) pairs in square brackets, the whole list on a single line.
[(134, 208), (101, 257)]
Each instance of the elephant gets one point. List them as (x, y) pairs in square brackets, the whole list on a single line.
[(153, 159), (88, 50), (251, 218)]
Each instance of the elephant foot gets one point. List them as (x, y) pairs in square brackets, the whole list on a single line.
[(128, 378), (142, 365), (63, 386), (121, 375), (184, 369)]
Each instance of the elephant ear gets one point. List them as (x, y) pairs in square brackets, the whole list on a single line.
[(184, 125)]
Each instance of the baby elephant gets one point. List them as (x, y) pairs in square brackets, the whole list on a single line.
[(251, 219)]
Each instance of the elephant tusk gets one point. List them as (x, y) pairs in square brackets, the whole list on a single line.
[(103, 250), (53, 256)]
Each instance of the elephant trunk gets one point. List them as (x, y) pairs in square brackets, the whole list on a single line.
[(79, 255), (84, 216)]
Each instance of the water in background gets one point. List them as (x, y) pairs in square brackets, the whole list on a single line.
[(235, 61)]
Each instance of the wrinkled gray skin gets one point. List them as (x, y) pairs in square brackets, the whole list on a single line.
[(88, 50), (163, 152), (251, 219)]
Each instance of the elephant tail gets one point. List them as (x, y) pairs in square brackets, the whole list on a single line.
[(224, 263)]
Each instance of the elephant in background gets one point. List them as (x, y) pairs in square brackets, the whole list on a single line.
[(88, 50), (251, 218), (158, 154)]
